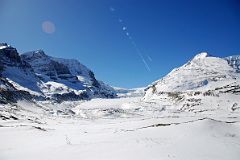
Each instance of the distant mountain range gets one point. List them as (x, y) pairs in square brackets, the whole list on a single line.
[(37, 76)]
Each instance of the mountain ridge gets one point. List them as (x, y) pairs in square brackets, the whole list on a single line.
[(48, 77)]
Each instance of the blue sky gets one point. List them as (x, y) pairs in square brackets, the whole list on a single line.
[(161, 34)]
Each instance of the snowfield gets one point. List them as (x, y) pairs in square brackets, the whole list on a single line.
[(193, 113), (124, 128)]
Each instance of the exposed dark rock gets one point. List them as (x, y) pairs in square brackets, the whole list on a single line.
[(71, 96), (94, 81)]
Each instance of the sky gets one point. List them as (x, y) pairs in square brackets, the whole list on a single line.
[(127, 43)]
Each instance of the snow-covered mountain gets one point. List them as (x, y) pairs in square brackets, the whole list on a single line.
[(47, 77), (203, 80), (234, 61), (201, 73), (134, 92)]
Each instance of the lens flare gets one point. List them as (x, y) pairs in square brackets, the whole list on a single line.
[(48, 27)]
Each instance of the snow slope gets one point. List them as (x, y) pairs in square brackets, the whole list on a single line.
[(202, 73), (123, 128)]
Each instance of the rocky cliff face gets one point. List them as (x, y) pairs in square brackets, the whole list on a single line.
[(48, 78), (15, 73), (46, 68), (234, 61)]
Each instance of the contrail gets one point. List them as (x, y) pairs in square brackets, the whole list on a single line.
[(145, 63), (126, 32), (149, 58), (140, 55)]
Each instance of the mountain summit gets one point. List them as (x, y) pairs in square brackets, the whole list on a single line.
[(201, 55)]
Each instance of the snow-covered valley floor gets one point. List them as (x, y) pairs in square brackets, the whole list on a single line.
[(112, 129)]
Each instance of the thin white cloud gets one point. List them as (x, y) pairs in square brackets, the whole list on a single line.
[(112, 9)]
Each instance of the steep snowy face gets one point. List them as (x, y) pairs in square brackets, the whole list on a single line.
[(62, 76), (234, 61), (17, 78), (46, 68), (17, 71), (74, 66), (203, 72), (80, 71)]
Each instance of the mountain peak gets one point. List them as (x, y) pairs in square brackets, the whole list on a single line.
[(201, 55), (4, 45), (38, 53)]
